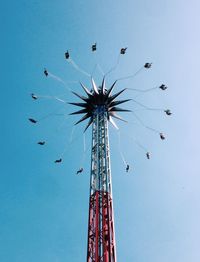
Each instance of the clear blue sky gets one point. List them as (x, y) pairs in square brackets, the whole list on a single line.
[(44, 207)]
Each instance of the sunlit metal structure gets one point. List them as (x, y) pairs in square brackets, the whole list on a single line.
[(100, 107)]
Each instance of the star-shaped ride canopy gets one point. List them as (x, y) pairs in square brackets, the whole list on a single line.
[(99, 96)]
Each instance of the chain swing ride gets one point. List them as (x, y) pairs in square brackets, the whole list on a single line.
[(100, 106)]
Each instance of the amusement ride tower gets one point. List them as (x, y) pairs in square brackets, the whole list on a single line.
[(100, 106)]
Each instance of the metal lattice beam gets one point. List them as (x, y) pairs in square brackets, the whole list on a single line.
[(101, 240)]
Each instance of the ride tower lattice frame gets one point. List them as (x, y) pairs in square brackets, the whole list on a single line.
[(100, 107), (101, 239)]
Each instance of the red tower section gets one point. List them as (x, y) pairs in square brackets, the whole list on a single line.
[(101, 244)]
